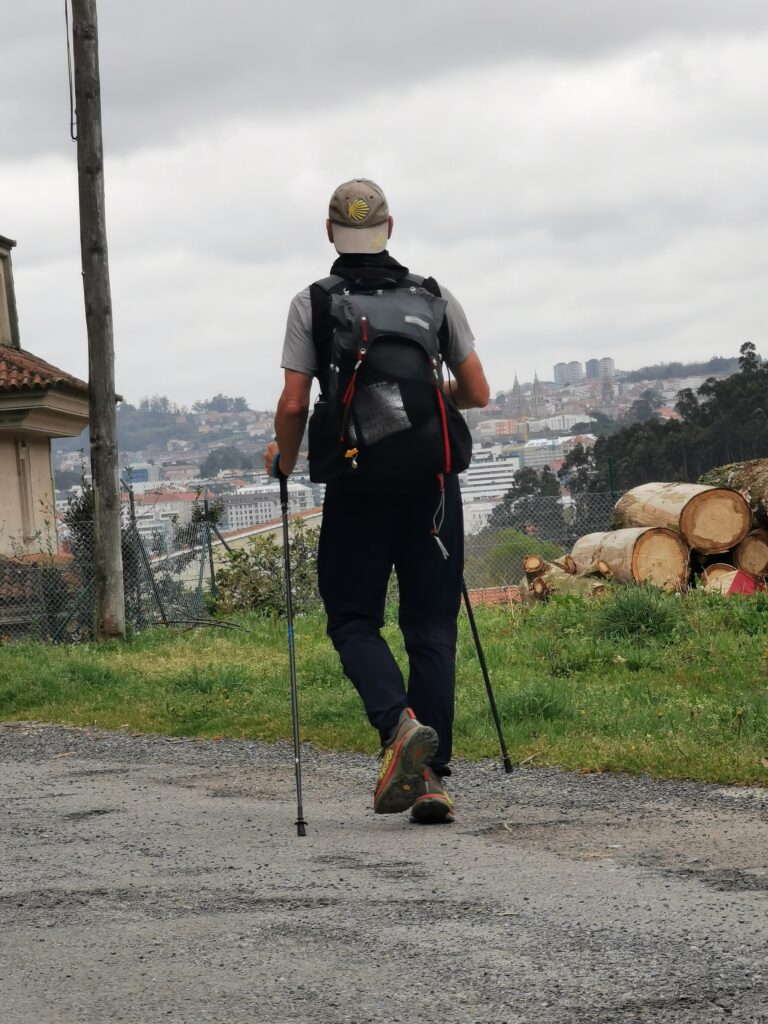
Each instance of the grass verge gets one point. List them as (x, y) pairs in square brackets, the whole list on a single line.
[(641, 682)]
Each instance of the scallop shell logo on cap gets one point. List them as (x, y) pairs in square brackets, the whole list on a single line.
[(358, 209)]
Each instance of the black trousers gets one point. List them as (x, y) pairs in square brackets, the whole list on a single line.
[(362, 538)]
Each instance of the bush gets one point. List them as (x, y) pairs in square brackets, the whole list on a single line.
[(495, 557), (254, 578), (638, 614)]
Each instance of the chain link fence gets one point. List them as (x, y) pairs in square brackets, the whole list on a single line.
[(169, 571), (545, 526), (167, 575)]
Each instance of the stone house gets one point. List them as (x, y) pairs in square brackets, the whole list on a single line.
[(38, 402)]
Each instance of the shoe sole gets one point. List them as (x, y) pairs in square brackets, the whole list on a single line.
[(432, 810), (399, 789)]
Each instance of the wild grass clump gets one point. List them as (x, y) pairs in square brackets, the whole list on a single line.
[(641, 614)]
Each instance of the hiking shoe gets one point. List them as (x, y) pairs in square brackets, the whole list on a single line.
[(402, 765), (433, 805)]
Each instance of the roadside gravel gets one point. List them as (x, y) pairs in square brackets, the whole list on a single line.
[(148, 879)]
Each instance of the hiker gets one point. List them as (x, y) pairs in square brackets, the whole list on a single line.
[(386, 436)]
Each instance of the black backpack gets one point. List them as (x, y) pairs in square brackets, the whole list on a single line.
[(381, 419)]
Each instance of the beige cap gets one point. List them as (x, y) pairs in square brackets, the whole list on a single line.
[(359, 213)]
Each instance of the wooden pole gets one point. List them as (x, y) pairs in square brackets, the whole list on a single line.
[(107, 555)]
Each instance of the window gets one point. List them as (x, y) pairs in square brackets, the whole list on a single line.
[(24, 470)]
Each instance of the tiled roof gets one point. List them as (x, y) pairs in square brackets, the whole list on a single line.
[(21, 371)]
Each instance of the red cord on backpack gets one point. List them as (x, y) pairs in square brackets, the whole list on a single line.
[(444, 422), (349, 394)]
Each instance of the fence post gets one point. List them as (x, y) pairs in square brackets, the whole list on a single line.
[(612, 479), (209, 545)]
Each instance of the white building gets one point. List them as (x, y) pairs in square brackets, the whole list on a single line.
[(477, 514), (141, 476), (544, 451), (488, 478), (607, 368), (574, 372), (560, 371), (251, 506), (563, 422)]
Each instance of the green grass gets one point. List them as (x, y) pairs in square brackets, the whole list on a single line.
[(640, 682)]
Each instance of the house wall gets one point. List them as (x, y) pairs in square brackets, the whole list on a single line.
[(26, 495)]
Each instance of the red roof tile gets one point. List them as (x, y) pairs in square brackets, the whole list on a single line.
[(21, 371)]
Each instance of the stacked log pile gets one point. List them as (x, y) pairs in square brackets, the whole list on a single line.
[(562, 576), (663, 533)]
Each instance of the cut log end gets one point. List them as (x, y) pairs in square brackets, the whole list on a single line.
[(714, 571), (533, 566), (752, 553), (640, 555)]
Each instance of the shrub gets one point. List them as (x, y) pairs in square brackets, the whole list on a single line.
[(638, 614), (495, 558), (253, 578)]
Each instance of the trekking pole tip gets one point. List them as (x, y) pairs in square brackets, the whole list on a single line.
[(508, 766), (301, 827)]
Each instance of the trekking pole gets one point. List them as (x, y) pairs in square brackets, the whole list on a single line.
[(301, 825), (508, 766)]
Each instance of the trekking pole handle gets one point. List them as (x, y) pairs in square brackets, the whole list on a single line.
[(282, 479)]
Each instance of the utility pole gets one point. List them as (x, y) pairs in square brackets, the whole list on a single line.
[(107, 553)]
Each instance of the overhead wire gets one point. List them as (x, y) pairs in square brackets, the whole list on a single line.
[(72, 112)]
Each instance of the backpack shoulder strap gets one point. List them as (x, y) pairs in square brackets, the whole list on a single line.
[(320, 293), (429, 284), (330, 284)]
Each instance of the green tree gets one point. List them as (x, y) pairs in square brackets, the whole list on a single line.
[(531, 505), (225, 457), (724, 421), (253, 577), (644, 408)]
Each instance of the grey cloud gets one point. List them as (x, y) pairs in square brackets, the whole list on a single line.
[(169, 67)]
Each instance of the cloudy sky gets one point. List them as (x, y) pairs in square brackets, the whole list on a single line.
[(589, 177)]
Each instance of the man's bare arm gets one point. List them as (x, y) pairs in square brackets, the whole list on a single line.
[(470, 388), (290, 421)]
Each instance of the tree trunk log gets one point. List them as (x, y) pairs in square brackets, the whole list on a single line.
[(752, 554), (721, 583), (533, 566), (714, 571), (751, 478), (644, 554), (709, 519), (598, 569), (567, 564)]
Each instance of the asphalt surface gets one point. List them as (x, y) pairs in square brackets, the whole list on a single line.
[(151, 880)]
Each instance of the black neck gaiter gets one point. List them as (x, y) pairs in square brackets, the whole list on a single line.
[(370, 270)]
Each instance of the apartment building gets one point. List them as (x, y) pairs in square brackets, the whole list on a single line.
[(252, 506)]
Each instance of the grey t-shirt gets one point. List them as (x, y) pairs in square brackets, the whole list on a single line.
[(299, 350)]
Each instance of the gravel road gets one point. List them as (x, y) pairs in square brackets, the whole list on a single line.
[(148, 880)]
